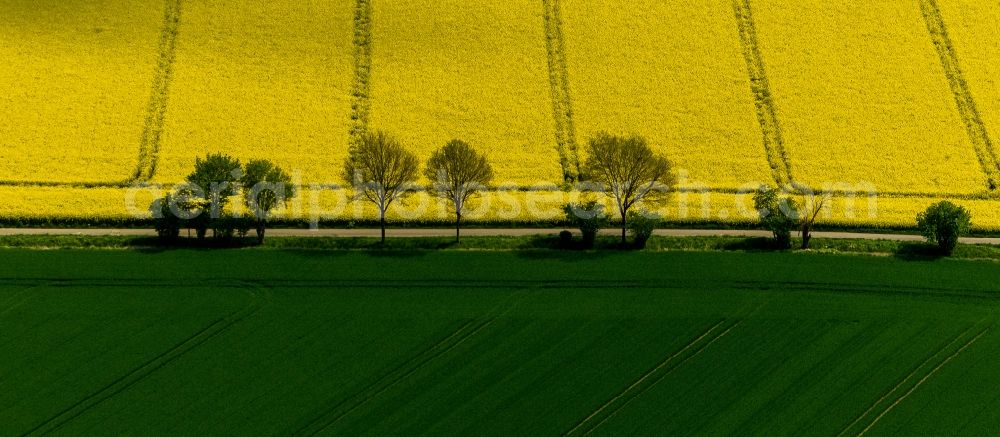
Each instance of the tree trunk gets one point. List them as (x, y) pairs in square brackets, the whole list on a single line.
[(624, 227), (382, 222), (806, 236), (261, 227), (458, 227)]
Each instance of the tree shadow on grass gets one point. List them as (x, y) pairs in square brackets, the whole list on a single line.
[(756, 244), (395, 253), (309, 253), (153, 245), (918, 252), (545, 247)]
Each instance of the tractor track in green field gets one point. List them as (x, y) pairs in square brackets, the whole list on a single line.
[(921, 368), (767, 113), (332, 415), (361, 88), (923, 380), (967, 108), (562, 102), (18, 298), (663, 369), (156, 111), (258, 298)]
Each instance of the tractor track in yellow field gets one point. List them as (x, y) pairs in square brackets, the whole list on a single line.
[(966, 104), (562, 103), (767, 113), (156, 111), (361, 88)]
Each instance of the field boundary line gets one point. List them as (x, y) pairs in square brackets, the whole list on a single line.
[(966, 104), (210, 331), (923, 380), (156, 111), (562, 103), (697, 342), (361, 88), (909, 376), (767, 114)]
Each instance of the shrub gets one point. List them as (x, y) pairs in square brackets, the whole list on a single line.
[(589, 217), (565, 239), (779, 215), (943, 223), (642, 224)]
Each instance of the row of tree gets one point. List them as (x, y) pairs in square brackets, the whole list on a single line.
[(381, 171), (200, 203)]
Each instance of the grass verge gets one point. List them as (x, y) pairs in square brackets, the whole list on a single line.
[(900, 249)]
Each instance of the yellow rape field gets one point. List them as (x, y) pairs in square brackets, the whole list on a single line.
[(863, 98), (975, 32), (473, 70), (75, 80), (261, 80), (673, 72)]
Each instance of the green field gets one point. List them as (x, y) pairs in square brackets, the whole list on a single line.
[(113, 342)]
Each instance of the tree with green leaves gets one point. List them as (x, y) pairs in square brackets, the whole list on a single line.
[(165, 219), (458, 172), (380, 170), (777, 213), (265, 187), (944, 223), (628, 172), (213, 182)]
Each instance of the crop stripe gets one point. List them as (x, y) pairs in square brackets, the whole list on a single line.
[(967, 108), (152, 129), (767, 114), (562, 104)]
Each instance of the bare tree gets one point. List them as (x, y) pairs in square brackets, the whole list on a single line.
[(380, 170), (628, 171), (457, 172), (811, 207)]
